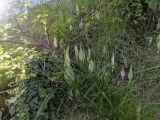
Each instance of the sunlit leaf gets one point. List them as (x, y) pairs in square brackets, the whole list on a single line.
[(39, 16), (43, 21), (1, 51), (45, 15), (7, 56), (7, 26), (26, 4), (20, 48)]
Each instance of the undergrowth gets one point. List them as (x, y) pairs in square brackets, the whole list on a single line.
[(101, 62)]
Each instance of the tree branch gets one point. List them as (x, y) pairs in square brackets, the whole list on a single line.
[(18, 42)]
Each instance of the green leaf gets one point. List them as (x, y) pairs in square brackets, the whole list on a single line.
[(42, 92), (153, 4), (69, 75), (43, 105), (69, 72), (33, 102)]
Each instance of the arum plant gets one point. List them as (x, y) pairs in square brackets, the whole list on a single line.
[(122, 73), (89, 55), (69, 72), (55, 42), (77, 9), (113, 62), (130, 74), (76, 51), (91, 66), (81, 55), (158, 43)]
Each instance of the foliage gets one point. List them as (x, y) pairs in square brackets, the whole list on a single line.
[(94, 66), (13, 70), (13, 65)]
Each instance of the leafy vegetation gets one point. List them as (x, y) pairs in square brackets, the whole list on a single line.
[(80, 60)]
